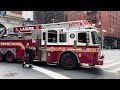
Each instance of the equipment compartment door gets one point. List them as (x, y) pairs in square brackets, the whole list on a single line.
[(37, 45), (43, 48)]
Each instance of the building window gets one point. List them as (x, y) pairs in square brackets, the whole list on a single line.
[(109, 12), (99, 15), (8, 20), (2, 12), (110, 15), (110, 23), (84, 17), (20, 22)]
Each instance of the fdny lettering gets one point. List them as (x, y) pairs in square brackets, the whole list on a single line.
[(12, 44), (5, 43)]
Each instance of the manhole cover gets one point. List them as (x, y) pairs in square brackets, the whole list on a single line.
[(10, 74)]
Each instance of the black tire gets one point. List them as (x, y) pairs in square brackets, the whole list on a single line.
[(10, 57), (92, 65), (1, 57), (23, 64), (30, 66), (69, 61)]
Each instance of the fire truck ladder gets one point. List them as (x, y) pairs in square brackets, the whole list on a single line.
[(2, 32), (69, 24)]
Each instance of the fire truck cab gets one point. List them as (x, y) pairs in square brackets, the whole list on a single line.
[(68, 43)]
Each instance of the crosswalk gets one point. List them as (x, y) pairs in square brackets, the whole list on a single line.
[(112, 61), (111, 66)]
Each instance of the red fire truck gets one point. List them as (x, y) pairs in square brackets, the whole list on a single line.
[(69, 44), (12, 44)]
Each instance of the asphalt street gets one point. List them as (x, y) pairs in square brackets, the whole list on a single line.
[(110, 70)]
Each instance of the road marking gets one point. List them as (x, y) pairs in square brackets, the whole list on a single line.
[(105, 66), (50, 73), (108, 61), (115, 70)]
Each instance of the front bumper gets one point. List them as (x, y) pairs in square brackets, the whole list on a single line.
[(99, 61)]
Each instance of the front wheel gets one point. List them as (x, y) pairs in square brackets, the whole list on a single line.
[(69, 61)]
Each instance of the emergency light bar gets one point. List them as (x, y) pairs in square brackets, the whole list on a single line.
[(70, 24)]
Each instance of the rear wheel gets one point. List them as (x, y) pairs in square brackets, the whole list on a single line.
[(69, 61), (10, 57), (1, 57)]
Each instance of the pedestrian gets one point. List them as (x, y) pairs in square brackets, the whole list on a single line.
[(29, 56)]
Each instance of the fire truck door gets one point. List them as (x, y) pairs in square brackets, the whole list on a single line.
[(36, 40), (84, 51), (43, 48), (52, 43), (37, 49)]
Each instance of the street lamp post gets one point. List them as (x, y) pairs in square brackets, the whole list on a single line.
[(99, 28), (103, 38)]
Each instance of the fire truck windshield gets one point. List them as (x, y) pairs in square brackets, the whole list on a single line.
[(95, 37)]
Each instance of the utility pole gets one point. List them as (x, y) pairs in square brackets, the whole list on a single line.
[(103, 38)]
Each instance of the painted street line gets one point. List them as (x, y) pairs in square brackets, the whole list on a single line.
[(50, 73), (115, 70), (109, 65)]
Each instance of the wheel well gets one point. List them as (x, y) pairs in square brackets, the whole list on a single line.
[(65, 53), (8, 52)]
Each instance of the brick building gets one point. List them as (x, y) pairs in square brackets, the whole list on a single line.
[(41, 17), (104, 20), (75, 15), (109, 21)]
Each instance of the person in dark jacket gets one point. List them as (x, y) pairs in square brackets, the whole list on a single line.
[(29, 56)]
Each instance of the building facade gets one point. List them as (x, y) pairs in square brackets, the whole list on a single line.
[(109, 21), (75, 15), (41, 17), (103, 20), (11, 18)]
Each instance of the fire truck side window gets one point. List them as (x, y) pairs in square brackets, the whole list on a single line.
[(62, 37), (44, 35), (82, 37), (52, 36)]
